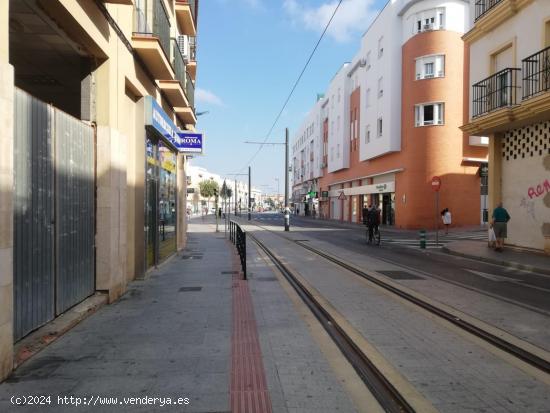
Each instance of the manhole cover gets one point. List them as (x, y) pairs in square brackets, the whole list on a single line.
[(401, 275), (266, 279), (230, 272), (187, 289), (191, 257)]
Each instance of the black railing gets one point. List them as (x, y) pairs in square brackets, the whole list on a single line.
[(536, 73), (483, 6), (497, 91), (190, 91), (161, 25), (178, 63), (192, 48), (238, 238)]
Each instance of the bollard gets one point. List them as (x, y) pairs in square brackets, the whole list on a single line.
[(422, 238)]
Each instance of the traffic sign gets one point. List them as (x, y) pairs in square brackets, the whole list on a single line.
[(436, 183), (342, 196)]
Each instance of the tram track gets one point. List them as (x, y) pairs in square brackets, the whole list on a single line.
[(539, 362), (389, 398)]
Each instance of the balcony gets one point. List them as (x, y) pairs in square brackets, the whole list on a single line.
[(536, 73), (483, 6), (127, 2), (192, 63), (153, 46), (186, 16), (498, 91), (187, 114), (174, 89)]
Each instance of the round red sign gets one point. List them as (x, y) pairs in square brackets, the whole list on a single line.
[(436, 183)]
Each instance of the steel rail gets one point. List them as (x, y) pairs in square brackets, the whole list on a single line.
[(510, 348), (385, 393)]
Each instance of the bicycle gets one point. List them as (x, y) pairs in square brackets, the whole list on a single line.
[(373, 235)]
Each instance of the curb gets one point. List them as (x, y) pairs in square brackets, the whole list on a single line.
[(48, 333), (511, 264)]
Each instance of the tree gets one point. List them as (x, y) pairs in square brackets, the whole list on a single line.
[(209, 188)]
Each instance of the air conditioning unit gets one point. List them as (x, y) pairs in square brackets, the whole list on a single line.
[(418, 76), (428, 27), (428, 75), (440, 73)]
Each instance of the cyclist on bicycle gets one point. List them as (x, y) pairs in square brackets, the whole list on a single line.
[(373, 220)]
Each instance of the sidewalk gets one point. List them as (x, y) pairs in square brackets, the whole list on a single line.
[(510, 257), (193, 332)]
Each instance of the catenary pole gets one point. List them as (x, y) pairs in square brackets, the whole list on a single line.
[(287, 209), (249, 194)]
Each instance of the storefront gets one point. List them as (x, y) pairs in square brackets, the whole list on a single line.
[(350, 198), (163, 142)]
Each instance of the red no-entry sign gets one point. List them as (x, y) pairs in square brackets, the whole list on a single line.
[(436, 183)]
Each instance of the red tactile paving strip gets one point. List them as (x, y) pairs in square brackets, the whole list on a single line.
[(249, 393)]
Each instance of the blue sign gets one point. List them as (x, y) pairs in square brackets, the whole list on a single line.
[(183, 141), (190, 142)]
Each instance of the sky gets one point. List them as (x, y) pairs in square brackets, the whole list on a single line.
[(249, 54)]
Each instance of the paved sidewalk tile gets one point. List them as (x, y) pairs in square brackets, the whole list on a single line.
[(300, 379), (509, 256), (161, 339)]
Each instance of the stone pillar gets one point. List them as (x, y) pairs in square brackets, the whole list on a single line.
[(495, 171), (6, 197), (181, 202), (111, 251)]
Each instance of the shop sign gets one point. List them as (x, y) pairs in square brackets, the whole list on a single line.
[(324, 194), (381, 187), (484, 170), (190, 190), (190, 142)]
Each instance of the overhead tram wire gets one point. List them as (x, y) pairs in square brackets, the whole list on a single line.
[(293, 87)]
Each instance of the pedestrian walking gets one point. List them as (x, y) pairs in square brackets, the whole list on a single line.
[(446, 218), (500, 225)]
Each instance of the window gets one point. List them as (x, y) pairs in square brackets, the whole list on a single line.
[(338, 151), (380, 47), (368, 60), (332, 153), (428, 67), (367, 134), (429, 114), (367, 97), (379, 127), (380, 87), (433, 19)]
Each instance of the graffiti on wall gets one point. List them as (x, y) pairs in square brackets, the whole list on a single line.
[(545, 228), (539, 190)]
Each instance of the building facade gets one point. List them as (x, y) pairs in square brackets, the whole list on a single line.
[(93, 94), (396, 124), (509, 102)]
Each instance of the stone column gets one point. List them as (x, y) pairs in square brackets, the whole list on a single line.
[(495, 172), (6, 197)]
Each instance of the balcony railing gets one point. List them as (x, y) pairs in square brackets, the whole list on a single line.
[(192, 48), (536, 73), (483, 6), (178, 63), (495, 92), (161, 24), (190, 91)]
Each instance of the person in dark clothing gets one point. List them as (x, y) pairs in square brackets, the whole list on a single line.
[(373, 220), (365, 213), (500, 224)]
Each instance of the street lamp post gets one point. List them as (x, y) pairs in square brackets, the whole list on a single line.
[(249, 193)]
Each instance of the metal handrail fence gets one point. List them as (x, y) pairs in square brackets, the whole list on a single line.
[(238, 237), (190, 91), (161, 24), (495, 92), (483, 6), (536, 73), (179, 64)]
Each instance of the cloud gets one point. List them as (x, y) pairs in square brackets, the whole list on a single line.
[(352, 16), (205, 96)]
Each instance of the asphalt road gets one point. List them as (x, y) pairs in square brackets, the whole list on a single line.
[(525, 288)]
